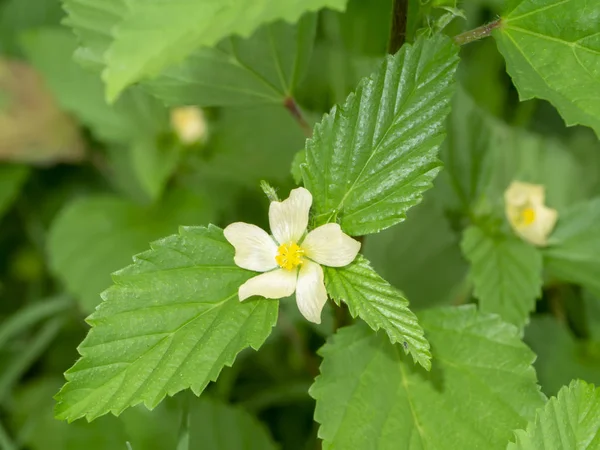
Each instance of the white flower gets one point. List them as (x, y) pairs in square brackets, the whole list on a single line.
[(189, 124), (527, 214), (290, 258)]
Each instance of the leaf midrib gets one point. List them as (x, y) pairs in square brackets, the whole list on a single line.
[(574, 44), (404, 381), (534, 12), (398, 112)]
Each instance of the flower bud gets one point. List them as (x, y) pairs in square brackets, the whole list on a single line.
[(527, 214)]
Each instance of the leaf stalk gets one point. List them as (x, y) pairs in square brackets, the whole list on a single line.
[(477, 33), (291, 105)]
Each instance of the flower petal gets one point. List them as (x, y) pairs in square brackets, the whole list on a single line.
[(330, 246), (254, 248), (520, 194), (278, 283), (288, 219), (310, 291), (537, 233)]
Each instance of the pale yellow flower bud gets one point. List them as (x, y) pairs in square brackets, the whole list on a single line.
[(527, 214), (189, 124)]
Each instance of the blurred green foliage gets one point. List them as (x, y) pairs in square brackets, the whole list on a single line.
[(67, 223)]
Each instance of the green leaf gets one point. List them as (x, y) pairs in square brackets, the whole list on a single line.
[(481, 387), (249, 145), (39, 430), (333, 72), (569, 420), (506, 273), (466, 153), (558, 64), (379, 304), (216, 426), (418, 251), (172, 321), (143, 168), (482, 156), (370, 160), (19, 15), (264, 68), (12, 177), (534, 158), (365, 26), (560, 356), (136, 115), (122, 35), (296, 171), (573, 252), (93, 237)]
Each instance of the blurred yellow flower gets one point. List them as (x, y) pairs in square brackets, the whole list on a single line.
[(527, 214), (189, 124)]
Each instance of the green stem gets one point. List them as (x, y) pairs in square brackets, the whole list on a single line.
[(31, 315), (477, 33), (34, 350), (183, 441)]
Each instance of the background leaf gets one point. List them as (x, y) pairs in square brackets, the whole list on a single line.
[(39, 430), (135, 115), (143, 168), (561, 356), (371, 159), (570, 420), (483, 155), (264, 68), (466, 154), (574, 246), (185, 28), (247, 145), (19, 15), (421, 256), (481, 386), (506, 273), (216, 426), (558, 64), (12, 176), (93, 237), (379, 304), (172, 321), (93, 22)]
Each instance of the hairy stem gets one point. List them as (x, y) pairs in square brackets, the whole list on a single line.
[(398, 28), (477, 33), (291, 105)]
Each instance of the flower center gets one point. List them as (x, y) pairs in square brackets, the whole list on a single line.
[(289, 255), (527, 216)]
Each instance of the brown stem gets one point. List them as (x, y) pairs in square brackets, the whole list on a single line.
[(291, 105), (398, 29), (477, 33)]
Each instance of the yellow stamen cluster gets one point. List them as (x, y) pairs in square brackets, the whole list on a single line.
[(289, 256), (527, 216)]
